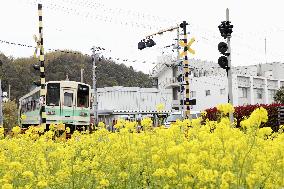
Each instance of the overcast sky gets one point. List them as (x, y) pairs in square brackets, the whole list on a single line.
[(119, 25)]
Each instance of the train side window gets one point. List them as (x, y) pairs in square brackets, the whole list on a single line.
[(23, 107), (83, 96), (53, 94), (33, 105), (37, 104), (29, 105)]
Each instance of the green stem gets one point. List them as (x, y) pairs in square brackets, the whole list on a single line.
[(242, 165)]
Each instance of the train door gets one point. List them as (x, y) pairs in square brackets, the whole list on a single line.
[(68, 106)]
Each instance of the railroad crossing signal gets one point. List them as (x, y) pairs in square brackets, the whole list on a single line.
[(37, 68), (188, 101), (150, 43), (37, 45), (223, 60), (143, 44), (226, 29), (187, 46)]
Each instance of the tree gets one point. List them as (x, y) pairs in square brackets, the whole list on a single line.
[(10, 114), (20, 74), (279, 96)]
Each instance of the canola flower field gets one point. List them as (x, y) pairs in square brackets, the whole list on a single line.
[(190, 154)]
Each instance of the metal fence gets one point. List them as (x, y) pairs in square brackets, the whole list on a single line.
[(281, 115)]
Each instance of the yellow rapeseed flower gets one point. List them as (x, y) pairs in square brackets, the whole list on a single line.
[(2, 130), (16, 130), (101, 125), (23, 117), (28, 174), (264, 132), (84, 153), (159, 173), (123, 175), (225, 108), (7, 186), (15, 165), (42, 184), (67, 129), (147, 122), (160, 107), (104, 183), (190, 154)]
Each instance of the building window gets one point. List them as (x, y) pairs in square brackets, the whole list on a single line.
[(175, 93), (207, 92), (272, 94), (222, 91), (192, 94), (243, 92), (259, 94)]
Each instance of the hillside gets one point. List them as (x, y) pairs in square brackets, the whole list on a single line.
[(20, 74)]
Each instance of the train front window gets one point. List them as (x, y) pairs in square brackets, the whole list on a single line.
[(68, 99), (53, 94), (83, 96)]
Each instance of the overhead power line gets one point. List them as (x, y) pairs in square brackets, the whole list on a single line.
[(111, 58), (101, 16)]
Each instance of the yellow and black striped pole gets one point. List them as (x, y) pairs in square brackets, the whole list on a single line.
[(42, 71), (186, 72), (186, 102)]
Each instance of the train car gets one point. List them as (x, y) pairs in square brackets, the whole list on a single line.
[(67, 102)]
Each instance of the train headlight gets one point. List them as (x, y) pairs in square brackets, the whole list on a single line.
[(84, 114), (50, 112)]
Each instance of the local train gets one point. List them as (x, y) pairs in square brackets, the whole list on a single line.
[(67, 102)]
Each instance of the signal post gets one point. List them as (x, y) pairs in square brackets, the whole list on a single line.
[(183, 78), (224, 61), (40, 67), (186, 101)]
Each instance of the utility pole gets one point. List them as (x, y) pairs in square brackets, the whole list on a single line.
[(181, 72), (82, 79), (1, 105), (95, 97), (230, 79), (265, 50)]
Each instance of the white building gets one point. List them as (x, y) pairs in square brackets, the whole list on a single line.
[(133, 99), (209, 85), (132, 103)]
